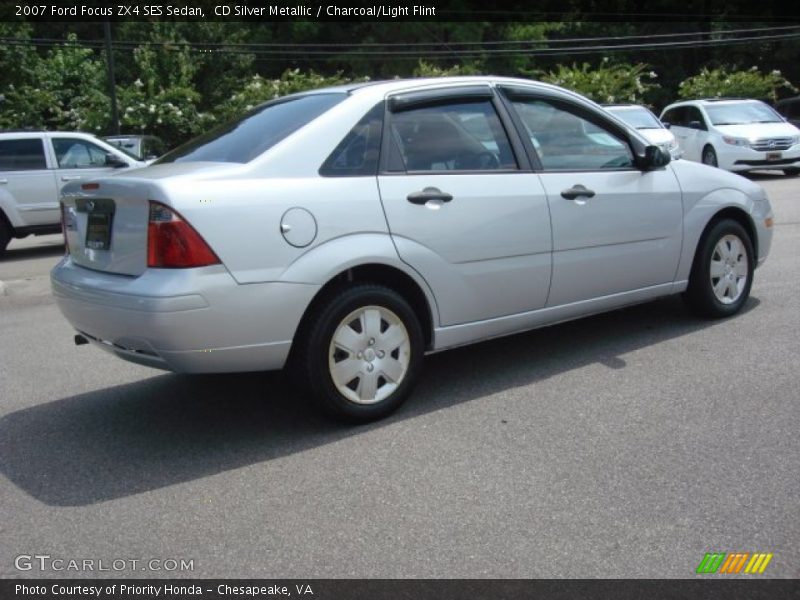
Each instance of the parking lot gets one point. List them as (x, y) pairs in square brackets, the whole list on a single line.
[(623, 445)]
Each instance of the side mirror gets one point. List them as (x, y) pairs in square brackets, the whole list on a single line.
[(695, 125), (667, 124), (655, 158)]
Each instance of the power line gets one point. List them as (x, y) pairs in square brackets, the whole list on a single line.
[(358, 52), (310, 45)]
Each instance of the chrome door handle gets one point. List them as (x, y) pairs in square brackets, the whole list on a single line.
[(71, 177), (577, 191), (429, 193), (3, 180)]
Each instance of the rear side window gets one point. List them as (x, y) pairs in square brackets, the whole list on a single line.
[(257, 131), (675, 116), (461, 136), (357, 154), (22, 155), (693, 114)]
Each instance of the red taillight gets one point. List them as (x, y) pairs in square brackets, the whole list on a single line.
[(174, 244)]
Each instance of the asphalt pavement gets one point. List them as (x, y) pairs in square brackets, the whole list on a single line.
[(623, 445)]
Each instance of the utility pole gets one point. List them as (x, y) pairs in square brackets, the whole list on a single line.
[(112, 83)]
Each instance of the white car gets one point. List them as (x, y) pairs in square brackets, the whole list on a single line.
[(645, 122), (35, 165), (736, 135)]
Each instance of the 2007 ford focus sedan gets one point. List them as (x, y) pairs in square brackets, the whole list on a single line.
[(347, 231)]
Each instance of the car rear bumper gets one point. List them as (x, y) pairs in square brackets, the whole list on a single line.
[(183, 320)]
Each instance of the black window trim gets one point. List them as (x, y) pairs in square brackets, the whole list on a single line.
[(404, 101), (511, 92), (322, 172), (676, 110), (704, 120), (452, 95)]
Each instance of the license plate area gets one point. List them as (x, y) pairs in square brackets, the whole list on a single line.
[(774, 155), (99, 220)]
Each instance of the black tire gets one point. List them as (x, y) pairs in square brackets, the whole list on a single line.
[(5, 235), (791, 172), (311, 363), (710, 157), (700, 294)]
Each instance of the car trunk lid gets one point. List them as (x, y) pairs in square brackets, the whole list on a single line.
[(105, 224)]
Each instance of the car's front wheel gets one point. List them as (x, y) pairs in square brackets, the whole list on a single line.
[(722, 272), (360, 354)]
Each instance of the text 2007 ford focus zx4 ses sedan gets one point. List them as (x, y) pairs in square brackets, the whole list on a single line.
[(345, 232)]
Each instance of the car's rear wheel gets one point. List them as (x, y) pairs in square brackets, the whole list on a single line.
[(360, 355), (722, 272), (710, 157), (792, 172)]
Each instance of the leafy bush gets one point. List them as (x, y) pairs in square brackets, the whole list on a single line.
[(258, 90), (63, 90), (605, 83), (426, 69), (752, 83), (163, 100), (170, 113)]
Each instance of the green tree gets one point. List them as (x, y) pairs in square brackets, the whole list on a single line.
[(426, 69), (163, 100), (218, 64), (258, 90), (530, 36), (64, 90), (752, 83), (606, 83)]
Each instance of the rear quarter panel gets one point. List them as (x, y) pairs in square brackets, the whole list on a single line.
[(240, 218)]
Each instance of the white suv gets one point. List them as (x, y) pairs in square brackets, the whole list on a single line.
[(737, 135), (34, 165)]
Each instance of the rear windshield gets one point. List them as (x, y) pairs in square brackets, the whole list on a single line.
[(242, 140)]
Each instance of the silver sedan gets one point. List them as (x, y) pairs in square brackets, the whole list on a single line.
[(345, 232)]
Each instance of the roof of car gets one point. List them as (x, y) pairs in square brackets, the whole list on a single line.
[(132, 136), (393, 85), (34, 132), (713, 101), (22, 130)]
